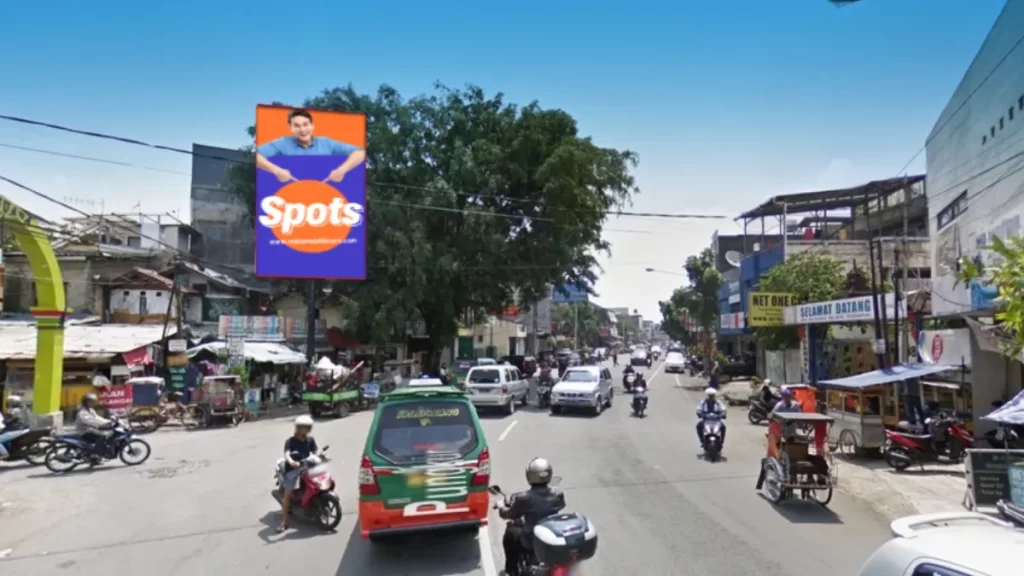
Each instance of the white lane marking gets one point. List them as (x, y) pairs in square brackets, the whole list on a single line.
[(678, 383), (507, 430), (5, 553), (483, 538), (656, 372)]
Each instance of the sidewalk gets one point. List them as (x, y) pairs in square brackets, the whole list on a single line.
[(937, 488)]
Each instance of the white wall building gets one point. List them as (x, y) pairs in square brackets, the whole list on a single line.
[(975, 158)]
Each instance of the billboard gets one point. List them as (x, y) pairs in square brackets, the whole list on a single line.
[(310, 194), (765, 308), (569, 294)]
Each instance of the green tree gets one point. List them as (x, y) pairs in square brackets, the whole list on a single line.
[(700, 297), (813, 278), (673, 317), (590, 319), (1005, 275), (470, 200)]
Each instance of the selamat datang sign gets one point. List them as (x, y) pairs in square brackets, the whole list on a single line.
[(765, 308)]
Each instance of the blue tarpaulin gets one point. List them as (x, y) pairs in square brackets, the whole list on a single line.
[(1010, 413), (890, 375)]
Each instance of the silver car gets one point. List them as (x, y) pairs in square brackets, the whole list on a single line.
[(497, 386), (586, 387)]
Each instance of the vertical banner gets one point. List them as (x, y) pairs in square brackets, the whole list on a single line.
[(310, 194)]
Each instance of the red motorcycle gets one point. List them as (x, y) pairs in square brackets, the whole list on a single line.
[(316, 499), (942, 438)]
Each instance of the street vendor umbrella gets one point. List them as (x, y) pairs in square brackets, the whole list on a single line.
[(1010, 413)]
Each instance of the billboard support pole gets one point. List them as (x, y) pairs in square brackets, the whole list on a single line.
[(311, 321), (576, 325)]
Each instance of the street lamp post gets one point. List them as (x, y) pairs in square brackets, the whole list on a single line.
[(665, 272)]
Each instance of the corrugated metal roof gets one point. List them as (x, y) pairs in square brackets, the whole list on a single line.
[(18, 339)]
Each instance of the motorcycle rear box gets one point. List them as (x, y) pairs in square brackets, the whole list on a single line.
[(564, 539)]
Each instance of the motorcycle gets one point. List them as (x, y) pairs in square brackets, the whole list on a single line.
[(627, 381), (316, 499), (639, 401), (559, 543), (650, 362), (71, 450), (28, 444), (712, 436), (544, 387), (943, 438), (758, 410), (1004, 437)]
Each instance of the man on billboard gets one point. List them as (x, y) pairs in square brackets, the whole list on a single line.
[(302, 142)]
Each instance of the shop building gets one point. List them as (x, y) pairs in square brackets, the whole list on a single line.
[(976, 186)]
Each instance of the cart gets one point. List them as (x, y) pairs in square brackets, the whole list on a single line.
[(218, 399), (333, 392), (798, 460)]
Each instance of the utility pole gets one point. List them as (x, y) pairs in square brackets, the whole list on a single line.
[(905, 351), (311, 321), (576, 325), (896, 302), (885, 320), (879, 353)]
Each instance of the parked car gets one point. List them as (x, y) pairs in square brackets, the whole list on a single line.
[(583, 387), (948, 544), (497, 386), (675, 362)]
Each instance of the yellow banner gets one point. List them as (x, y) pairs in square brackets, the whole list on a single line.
[(765, 308)]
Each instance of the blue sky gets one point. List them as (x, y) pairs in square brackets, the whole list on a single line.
[(727, 103)]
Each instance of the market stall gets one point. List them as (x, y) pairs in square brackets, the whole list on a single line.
[(866, 404)]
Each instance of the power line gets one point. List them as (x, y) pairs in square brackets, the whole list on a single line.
[(393, 185), (91, 159)]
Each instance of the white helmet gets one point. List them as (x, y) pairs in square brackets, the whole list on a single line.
[(304, 420), (711, 392)]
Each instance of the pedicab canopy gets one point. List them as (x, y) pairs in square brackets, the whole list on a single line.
[(896, 373)]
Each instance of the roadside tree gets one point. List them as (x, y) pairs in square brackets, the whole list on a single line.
[(812, 278), (1005, 275), (470, 201)]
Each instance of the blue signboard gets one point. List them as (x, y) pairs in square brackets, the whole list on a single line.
[(569, 294)]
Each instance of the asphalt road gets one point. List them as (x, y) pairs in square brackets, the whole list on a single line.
[(201, 505)]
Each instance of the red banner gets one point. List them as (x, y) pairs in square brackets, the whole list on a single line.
[(116, 397)]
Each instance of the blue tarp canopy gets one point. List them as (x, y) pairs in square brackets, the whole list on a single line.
[(890, 375), (1010, 413)]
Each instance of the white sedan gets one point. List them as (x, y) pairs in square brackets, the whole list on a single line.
[(675, 362), (948, 544)]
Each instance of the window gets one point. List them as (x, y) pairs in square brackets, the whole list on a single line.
[(1000, 123), (1010, 112), (143, 305), (408, 433), (159, 294), (125, 293), (1020, 103), (933, 570), (952, 211), (992, 131), (984, 140)]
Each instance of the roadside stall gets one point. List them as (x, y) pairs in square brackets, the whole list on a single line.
[(995, 476), (866, 404)]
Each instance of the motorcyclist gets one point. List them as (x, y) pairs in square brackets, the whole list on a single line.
[(91, 427), (710, 405), (9, 427), (767, 395), (640, 381), (529, 507), (297, 448)]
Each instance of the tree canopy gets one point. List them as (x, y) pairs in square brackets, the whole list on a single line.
[(589, 318), (698, 299), (1005, 275), (471, 201), (811, 277)]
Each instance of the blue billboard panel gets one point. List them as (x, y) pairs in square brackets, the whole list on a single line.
[(569, 294), (310, 194)]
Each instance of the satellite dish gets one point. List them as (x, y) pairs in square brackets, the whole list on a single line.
[(734, 258)]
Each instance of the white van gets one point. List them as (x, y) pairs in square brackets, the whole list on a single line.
[(497, 386)]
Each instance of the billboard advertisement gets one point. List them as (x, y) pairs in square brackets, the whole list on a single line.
[(310, 194), (569, 294)]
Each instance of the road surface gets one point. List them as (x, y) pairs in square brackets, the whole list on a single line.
[(201, 505)]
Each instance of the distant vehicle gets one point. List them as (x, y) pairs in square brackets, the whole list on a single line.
[(497, 386), (947, 544), (675, 362), (486, 361), (639, 357), (583, 387)]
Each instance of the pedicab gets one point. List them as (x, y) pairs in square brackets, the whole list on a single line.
[(798, 460), (218, 399)]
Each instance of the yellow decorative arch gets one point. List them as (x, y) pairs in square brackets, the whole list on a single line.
[(51, 305)]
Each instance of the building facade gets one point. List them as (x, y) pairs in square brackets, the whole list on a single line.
[(975, 164), (217, 213)]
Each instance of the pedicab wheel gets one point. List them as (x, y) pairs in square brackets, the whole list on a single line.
[(134, 452), (822, 497), (329, 511), (847, 445), (62, 458), (773, 488)]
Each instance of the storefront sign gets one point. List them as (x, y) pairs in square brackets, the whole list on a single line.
[(945, 346), (115, 398), (734, 292), (860, 309), (732, 321), (988, 478), (765, 308)]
